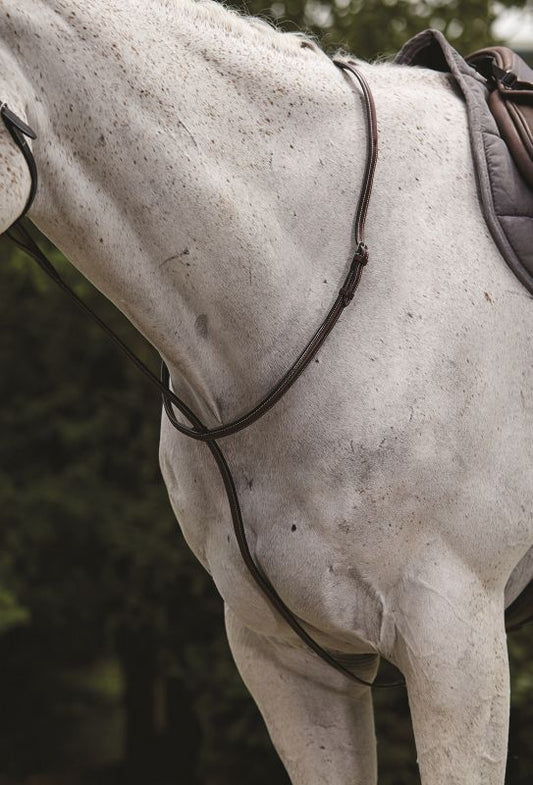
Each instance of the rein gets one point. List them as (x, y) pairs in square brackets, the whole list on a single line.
[(21, 237)]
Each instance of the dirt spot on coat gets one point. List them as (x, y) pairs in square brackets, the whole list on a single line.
[(201, 326)]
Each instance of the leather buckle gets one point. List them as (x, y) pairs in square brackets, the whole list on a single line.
[(505, 78), (360, 259), (361, 254)]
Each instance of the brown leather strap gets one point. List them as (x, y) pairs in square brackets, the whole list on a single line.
[(344, 297)]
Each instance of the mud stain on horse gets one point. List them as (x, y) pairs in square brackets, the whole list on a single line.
[(175, 256), (201, 326)]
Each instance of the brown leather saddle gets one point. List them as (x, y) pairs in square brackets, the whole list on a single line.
[(510, 80)]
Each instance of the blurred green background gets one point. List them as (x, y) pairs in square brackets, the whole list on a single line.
[(114, 665)]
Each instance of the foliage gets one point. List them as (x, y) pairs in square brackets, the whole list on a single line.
[(377, 28), (520, 763), (12, 614)]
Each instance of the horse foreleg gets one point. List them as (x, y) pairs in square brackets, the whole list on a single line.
[(451, 646), (321, 724)]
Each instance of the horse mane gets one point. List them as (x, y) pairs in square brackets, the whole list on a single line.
[(235, 23)]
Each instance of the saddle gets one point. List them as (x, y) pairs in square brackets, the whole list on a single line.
[(510, 81)]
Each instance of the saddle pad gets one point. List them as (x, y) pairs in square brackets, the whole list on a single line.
[(506, 198)]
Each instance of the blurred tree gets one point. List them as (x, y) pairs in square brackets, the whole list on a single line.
[(377, 28), (12, 614), (520, 761)]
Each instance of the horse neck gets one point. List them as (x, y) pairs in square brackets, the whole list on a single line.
[(202, 173)]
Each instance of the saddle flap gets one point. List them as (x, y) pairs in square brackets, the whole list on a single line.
[(510, 81)]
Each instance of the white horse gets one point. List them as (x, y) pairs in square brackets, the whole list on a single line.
[(203, 171)]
